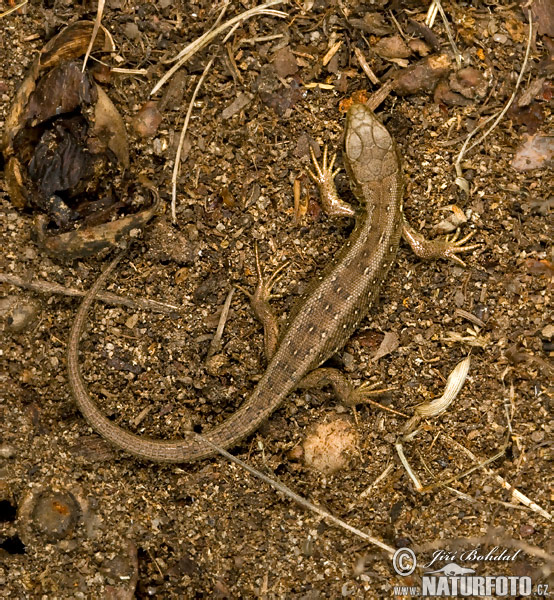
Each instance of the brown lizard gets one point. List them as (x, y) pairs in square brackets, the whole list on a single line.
[(325, 316)]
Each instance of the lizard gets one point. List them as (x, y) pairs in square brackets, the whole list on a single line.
[(325, 316)]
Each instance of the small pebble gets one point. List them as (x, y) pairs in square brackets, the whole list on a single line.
[(147, 120), (329, 447), (7, 451), (526, 530), (23, 316)]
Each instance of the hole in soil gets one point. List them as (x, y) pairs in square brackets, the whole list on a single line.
[(13, 545), (7, 511)]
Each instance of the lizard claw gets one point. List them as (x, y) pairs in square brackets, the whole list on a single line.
[(324, 177), (362, 395), (446, 248), (323, 173), (454, 246), (365, 391), (263, 289)]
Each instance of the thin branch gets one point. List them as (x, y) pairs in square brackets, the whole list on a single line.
[(95, 29), (411, 473), (46, 287), (446, 24), (216, 341), (13, 9), (484, 463), (516, 494), (181, 141), (281, 487), (205, 39), (431, 14), (502, 112)]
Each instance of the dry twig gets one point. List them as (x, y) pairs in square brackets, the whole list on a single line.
[(281, 487), (460, 180), (46, 287), (216, 341), (516, 494), (13, 9), (182, 139), (429, 21), (205, 39), (97, 21)]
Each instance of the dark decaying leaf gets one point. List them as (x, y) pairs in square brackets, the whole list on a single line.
[(66, 151), (61, 90)]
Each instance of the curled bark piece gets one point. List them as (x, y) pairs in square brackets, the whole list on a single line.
[(92, 240), (423, 75)]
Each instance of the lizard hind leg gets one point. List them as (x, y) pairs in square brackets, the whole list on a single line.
[(259, 301), (346, 393)]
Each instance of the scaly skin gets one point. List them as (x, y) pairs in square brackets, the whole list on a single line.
[(325, 317)]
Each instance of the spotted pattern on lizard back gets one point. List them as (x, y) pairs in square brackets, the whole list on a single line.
[(322, 322)]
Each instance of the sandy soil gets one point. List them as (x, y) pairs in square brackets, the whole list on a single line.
[(80, 519)]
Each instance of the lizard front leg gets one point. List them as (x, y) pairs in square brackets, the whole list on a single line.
[(440, 248), (324, 176)]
